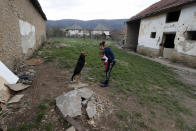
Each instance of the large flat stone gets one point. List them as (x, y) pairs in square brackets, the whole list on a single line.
[(69, 104), (15, 99), (4, 91), (85, 93), (17, 87), (91, 109)]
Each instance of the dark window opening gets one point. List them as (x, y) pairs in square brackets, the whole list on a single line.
[(173, 16), (191, 35), (153, 35), (169, 40)]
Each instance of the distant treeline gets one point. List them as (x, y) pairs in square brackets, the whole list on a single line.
[(115, 24)]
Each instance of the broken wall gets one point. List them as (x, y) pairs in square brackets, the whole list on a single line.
[(22, 30), (132, 32), (183, 48)]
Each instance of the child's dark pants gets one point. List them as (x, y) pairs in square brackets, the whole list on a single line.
[(109, 69)]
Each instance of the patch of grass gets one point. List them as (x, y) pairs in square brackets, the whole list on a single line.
[(46, 100), (40, 117), (153, 130), (42, 107), (152, 83), (142, 124), (181, 124), (52, 102), (121, 126), (60, 118), (122, 115), (11, 129), (174, 60), (26, 127), (65, 123), (131, 120), (138, 115), (144, 54), (193, 128), (49, 127), (1, 113), (153, 113)]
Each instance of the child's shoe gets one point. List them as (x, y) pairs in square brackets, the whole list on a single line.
[(104, 85)]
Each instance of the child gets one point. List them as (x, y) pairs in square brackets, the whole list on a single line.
[(105, 59)]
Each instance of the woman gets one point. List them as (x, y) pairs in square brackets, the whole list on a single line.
[(111, 62)]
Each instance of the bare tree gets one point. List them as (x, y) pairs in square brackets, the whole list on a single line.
[(55, 32)]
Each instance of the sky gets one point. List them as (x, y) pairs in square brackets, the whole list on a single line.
[(93, 9)]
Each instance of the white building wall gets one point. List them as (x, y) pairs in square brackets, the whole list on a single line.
[(95, 32), (87, 33), (187, 22), (75, 32)]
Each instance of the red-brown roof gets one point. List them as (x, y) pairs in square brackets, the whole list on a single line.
[(160, 7)]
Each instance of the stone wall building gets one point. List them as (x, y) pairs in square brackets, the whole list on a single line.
[(22, 29), (166, 29)]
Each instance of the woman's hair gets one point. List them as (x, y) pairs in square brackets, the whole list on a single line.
[(102, 43)]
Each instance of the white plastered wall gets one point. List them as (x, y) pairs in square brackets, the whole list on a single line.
[(187, 22), (28, 39)]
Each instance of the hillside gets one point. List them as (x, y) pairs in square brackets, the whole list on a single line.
[(114, 24)]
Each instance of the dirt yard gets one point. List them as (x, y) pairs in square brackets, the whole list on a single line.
[(143, 95), (52, 81)]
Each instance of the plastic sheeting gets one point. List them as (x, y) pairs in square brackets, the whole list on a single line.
[(6, 74)]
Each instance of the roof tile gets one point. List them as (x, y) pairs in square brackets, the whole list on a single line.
[(160, 7)]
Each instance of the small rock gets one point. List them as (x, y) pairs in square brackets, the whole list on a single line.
[(15, 99), (52, 110), (43, 121), (91, 122), (71, 129), (27, 82), (32, 70), (91, 109), (90, 78)]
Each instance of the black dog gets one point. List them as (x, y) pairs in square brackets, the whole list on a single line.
[(80, 65)]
